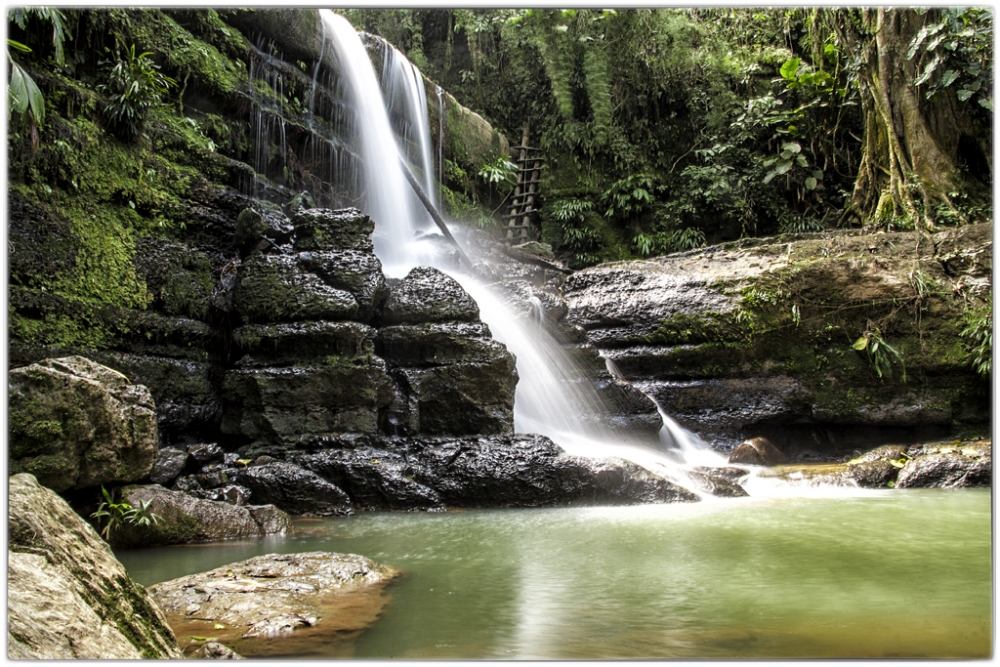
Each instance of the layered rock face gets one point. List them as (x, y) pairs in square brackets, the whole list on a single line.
[(326, 349), (754, 338), (67, 596)]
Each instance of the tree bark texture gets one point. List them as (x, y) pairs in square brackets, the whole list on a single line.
[(911, 145)]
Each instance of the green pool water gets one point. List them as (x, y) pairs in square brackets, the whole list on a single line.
[(870, 574)]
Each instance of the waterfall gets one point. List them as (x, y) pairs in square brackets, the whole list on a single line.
[(553, 395)]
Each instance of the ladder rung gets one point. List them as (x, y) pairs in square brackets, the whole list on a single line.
[(530, 159), (522, 214)]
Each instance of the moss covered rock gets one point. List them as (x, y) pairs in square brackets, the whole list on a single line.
[(75, 424)]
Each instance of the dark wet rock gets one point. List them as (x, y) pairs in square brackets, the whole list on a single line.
[(451, 379), (300, 202), (438, 344), (269, 602), (76, 424), (428, 295), (169, 465), (214, 651), (274, 409), (325, 229), (511, 471), (947, 468), (297, 343), (184, 519), (459, 399), (250, 228), (354, 271), (873, 473), (206, 453), (67, 595), (294, 489), (272, 288), (373, 478), (759, 452)]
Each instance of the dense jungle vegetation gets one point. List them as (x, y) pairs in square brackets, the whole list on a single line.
[(666, 129)]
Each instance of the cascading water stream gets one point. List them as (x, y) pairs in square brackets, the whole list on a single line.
[(553, 396)]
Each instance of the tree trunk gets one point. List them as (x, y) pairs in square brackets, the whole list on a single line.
[(910, 162)]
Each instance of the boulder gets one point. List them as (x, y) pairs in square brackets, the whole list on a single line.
[(294, 489), (947, 468), (872, 474), (269, 603), (428, 295), (75, 424), (452, 378), (250, 228), (184, 519), (204, 453), (759, 452), (67, 595), (708, 480), (170, 463)]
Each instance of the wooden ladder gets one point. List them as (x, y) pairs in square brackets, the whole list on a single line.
[(522, 208)]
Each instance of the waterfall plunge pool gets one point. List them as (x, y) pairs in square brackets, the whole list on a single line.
[(902, 573)]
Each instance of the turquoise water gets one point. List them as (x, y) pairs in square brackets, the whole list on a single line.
[(874, 574)]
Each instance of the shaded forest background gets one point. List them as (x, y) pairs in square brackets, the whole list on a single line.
[(669, 129)]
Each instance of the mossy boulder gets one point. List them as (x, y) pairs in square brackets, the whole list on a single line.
[(75, 424), (67, 595)]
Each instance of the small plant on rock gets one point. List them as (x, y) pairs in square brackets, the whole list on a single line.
[(135, 86), (114, 513)]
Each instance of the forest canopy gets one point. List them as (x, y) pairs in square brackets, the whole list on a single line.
[(665, 129)]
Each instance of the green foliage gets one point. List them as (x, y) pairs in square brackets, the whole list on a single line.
[(954, 50), (135, 86), (114, 513), (879, 352), (628, 196), (979, 332), (499, 171)]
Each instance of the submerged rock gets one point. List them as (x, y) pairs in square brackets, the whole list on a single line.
[(67, 595), (267, 602), (214, 651), (184, 519), (76, 424)]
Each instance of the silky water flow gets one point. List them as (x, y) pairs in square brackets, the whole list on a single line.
[(553, 396)]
